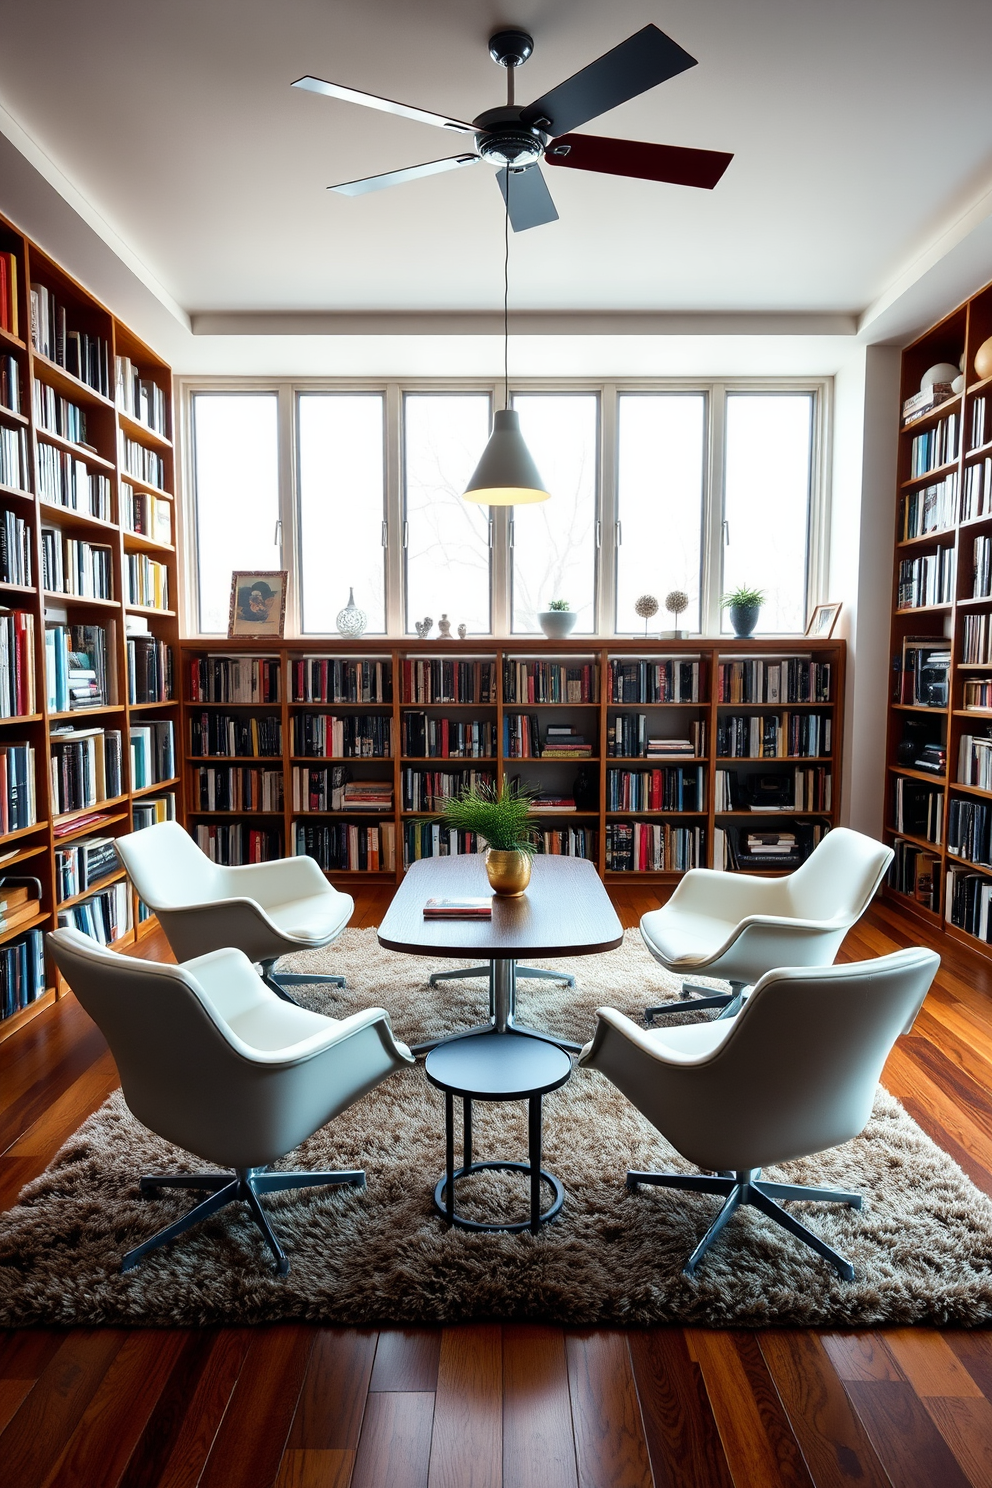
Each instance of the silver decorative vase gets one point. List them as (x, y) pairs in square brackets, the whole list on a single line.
[(351, 621)]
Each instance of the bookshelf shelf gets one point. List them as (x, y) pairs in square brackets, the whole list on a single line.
[(68, 833), (67, 383), (7, 338), (29, 924), (79, 451), (135, 429), (936, 474), (89, 712), (57, 597), (134, 609), (52, 514), (94, 888), (14, 418), (10, 1026), (157, 785)]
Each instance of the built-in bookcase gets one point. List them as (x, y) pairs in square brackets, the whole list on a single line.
[(87, 568), (939, 788), (648, 757)]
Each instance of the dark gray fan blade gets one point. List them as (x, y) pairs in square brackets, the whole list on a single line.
[(409, 173), (388, 106), (644, 60), (613, 157), (529, 203)]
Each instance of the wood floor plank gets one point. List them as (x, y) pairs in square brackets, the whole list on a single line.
[(249, 1445), (395, 1446), (180, 1434), (860, 1356), (24, 1352), (56, 1124), (12, 1394), (610, 1446), (929, 1363), (42, 1081), (959, 1087), (904, 1077), (760, 1444), (966, 1426), (38, 1432), (406, 1359), (538, 1446), (974, 1348), (316, 1469), (466, 1447), (906, 1440), (329, 1414), (833, 1441), (683, 1441)]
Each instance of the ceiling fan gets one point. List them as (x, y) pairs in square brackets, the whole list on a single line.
[(515, 138)]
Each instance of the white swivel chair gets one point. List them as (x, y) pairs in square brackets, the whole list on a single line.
[(212, 1060), (793, 1073), (738, 926), (265, 909)]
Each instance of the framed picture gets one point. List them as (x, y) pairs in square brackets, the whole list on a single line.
[(258, 604), (822, 621)]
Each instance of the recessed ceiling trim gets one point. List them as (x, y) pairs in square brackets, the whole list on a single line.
[(522, 323)]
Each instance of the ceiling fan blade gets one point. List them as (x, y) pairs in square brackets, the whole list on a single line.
[(388, 106), (615, 157), (409, 173), (529, 202), (641, 62)]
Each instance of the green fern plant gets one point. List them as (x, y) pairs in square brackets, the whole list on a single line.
[(743, 596), (500, 815), (558, 604)]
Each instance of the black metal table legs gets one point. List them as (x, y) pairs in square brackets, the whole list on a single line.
[(444, 1193)]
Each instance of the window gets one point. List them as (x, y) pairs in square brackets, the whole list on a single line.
[(554, 548), (661, 448), (766, 503), (236, 481), (447, 539), (342, 490)]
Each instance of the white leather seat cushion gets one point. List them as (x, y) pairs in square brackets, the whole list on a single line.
[(691, 1040), (316, 919), (274, 1024), (681, 936)]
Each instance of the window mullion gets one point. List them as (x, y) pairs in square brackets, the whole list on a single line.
[(713, 510), (289, 508), (394, 513), (607, 514)]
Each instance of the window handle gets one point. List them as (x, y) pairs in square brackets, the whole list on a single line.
[(726, 533), (618, 532), (385, 534), (406, 534), (492, 533), (277, 536), (599, 534)]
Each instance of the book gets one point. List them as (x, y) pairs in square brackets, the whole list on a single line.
[(459, 909)]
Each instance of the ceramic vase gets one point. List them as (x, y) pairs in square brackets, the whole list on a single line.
[(557, 624), (744, 618)]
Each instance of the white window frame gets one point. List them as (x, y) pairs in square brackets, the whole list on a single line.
[(608, 535)]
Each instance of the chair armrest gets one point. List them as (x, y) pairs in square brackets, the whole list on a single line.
[(195, 929), (325, 1039), (733, 895), (611, 1023), (279, 882)]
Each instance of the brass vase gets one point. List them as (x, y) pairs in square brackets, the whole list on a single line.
[(509, 872)]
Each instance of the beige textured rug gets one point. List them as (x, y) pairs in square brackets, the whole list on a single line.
[(922, 1245)]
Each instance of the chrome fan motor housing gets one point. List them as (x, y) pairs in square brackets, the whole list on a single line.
[(504, 139)]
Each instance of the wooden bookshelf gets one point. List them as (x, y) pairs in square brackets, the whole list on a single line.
[(551, 775), (102, 454), (966, 517)]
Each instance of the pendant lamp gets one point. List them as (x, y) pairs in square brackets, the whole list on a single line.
[(506, 475)]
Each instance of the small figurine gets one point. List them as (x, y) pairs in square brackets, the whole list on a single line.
[(462, 631), (444, 628), (423, 627)]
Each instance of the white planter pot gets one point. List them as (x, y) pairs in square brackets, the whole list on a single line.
[(557, 624)]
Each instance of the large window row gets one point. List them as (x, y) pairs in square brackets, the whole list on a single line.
[(701, 490)]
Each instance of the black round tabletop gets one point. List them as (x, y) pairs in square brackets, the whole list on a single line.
[(497, 1066)]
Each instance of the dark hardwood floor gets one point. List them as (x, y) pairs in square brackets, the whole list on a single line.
[(483, 1406)]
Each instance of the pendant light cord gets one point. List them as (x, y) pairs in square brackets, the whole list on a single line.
[(506, 297)]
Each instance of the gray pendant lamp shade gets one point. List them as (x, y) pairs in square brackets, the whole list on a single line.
[(506, 475)]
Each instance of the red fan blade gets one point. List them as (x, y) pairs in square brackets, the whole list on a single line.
[(613, 157)]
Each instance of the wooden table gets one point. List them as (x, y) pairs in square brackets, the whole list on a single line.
[(566, 911)]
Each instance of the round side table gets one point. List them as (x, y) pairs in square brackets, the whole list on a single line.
[(496, 1067)]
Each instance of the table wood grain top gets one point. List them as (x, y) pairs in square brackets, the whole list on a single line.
[(566, 911)]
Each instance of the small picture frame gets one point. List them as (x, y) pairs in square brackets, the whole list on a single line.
[(258, 604), (822, 622)]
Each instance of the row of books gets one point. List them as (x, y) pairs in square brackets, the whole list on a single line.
[(806, 788), (237, 844), (967, 897), (976, 500), (935, 447), (64, 479), (968, 825), (926, 400), (10, 380), (796, 679), (773, 736), (981, 568), (431, 790), (77, 667), (144, 464), (328, 679), (149, 669), (319, 788), (80, 865), (918, 809), (57, 415), (8, 293), (975, 761), (18, 799), (69, 565), (15, 549), (17, 686), (915, 872), (14, 458), (84, 356), (931, 508), (106, 916), (234, 734), (627, 737), (976, 695), (355, 736), (146, 581), (152, 809), (348, 847), (981, 424), (431, 840), (86, 767), (234, 679), (927, 580), (423, 736), (976, 640), (569, 842), (561, 741), (521, 736), (22, 971), (141, 398), (147, 515), (748, 850), (671, 681), (673, 788), (654, 847), (438, 680), (153, 753), (237, 788), (548, 682)]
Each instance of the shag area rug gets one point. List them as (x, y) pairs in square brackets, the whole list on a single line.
[(922, 1245)]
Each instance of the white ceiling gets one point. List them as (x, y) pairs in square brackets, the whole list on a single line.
[(860, 130)]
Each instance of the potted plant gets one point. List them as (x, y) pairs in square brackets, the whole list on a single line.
[(557, 621), (501, 815), (744, 605)]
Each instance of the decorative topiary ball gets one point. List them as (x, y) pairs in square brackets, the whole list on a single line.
[(646, 606), (676, 602)]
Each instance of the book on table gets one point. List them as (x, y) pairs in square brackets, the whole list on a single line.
[(468, 908)]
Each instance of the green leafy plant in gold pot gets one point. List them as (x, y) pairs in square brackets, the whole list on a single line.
[(502, 816)]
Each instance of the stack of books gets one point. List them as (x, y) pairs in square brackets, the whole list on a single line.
[(459, 909), (367, 795), (86, 768), (627, 737), (20, 901), (562, 742), (925, 401), (77, 659), (669, 748), (549, 804), (81, 864)]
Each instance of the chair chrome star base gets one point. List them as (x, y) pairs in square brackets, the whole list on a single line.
[(245, 1184), (746, 1186), (731, 1002), (280, 980)]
